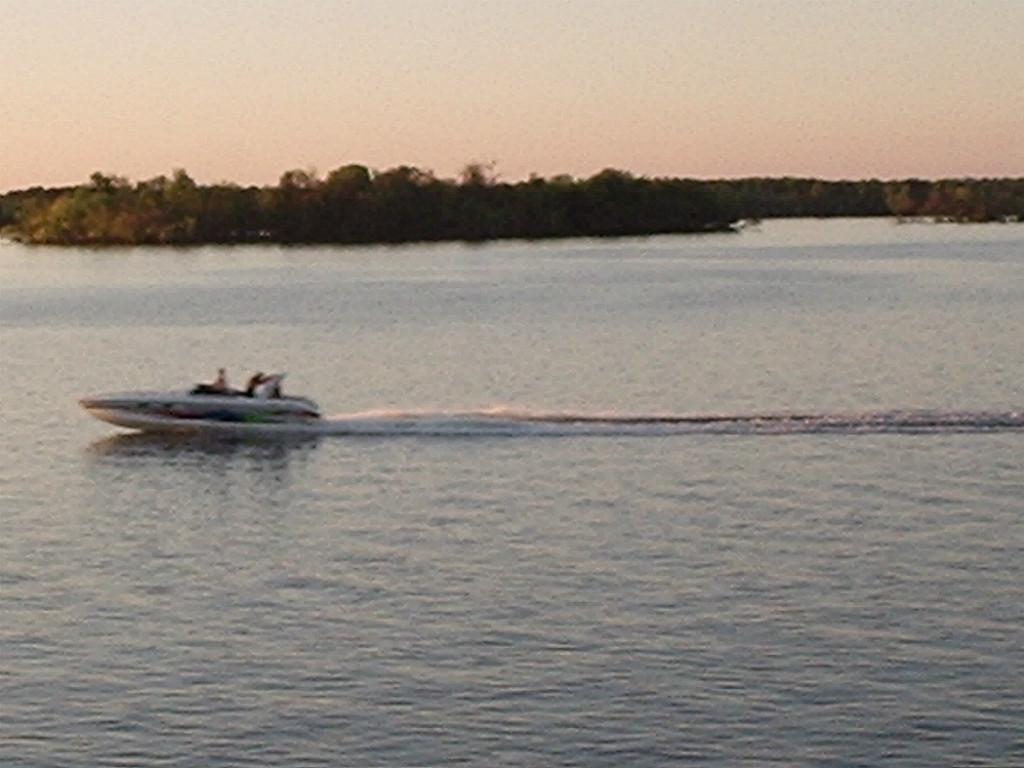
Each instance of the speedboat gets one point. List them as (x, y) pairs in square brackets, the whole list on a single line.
[(204, 408)]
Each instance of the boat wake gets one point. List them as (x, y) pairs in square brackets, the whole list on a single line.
[(511, 422)]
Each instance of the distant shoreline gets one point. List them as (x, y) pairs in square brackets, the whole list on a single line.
[(354, 205)]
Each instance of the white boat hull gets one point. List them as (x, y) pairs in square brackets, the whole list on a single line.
[(164, 424), (163, 412)]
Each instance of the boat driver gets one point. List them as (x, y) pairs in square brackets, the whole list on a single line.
[(256, 379)]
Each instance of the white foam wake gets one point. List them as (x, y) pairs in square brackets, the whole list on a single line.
[(504, 421)]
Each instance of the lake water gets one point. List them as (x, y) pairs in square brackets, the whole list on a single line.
[(504, 557)]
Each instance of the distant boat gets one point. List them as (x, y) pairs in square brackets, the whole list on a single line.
[(740, 224), (205, 408)]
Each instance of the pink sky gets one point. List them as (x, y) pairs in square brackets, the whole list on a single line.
[(241, 90)]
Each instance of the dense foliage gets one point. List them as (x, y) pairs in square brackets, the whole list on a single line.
[(356, 205)]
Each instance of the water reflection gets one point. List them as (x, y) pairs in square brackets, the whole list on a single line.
[(215, 460), (177, 471), (174, 446)]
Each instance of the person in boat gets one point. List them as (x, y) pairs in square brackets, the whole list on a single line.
[(254, 381), (264, 386), (218, 387)]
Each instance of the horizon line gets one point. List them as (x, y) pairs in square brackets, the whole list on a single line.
[(497, 178)]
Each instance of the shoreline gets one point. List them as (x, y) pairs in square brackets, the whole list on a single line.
[(729, 229), (354, 205)]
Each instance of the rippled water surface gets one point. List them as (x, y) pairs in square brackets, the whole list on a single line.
[(724, 500)]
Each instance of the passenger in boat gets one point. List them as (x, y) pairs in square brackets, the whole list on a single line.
[(220, 384), (256, 379), (218, 387)]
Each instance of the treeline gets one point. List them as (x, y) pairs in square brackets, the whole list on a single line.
[(353, 204), (962, 200)]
